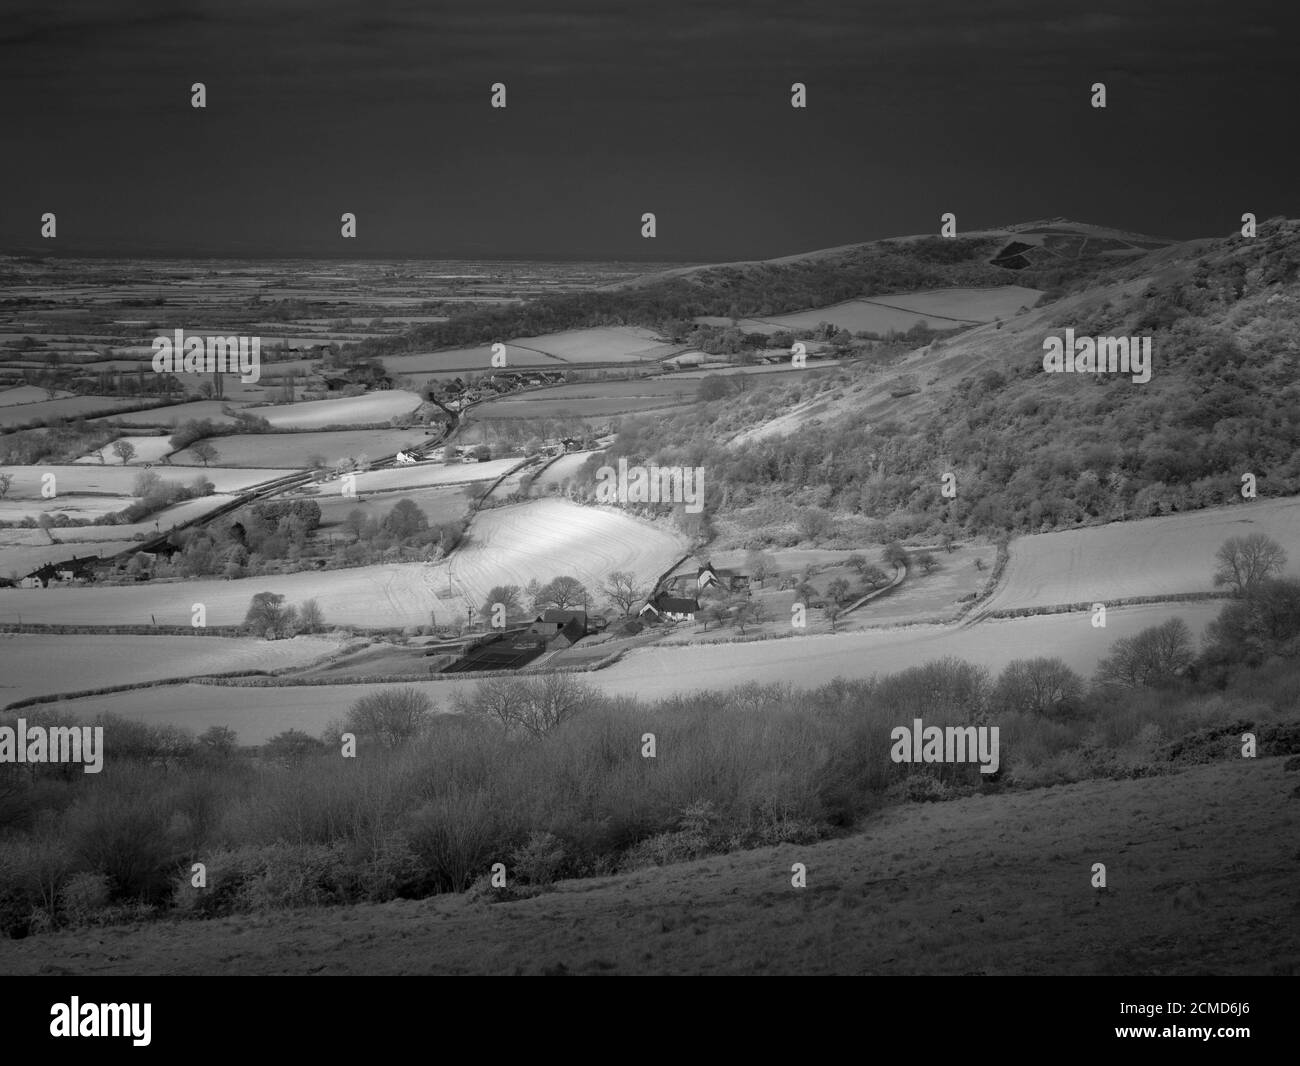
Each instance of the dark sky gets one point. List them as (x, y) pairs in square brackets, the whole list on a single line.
[(916, 107)]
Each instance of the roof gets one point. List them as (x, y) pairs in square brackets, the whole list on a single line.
[(675, 605), (554, 614)]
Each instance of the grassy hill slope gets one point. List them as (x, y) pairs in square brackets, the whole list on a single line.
[(1201, 868)]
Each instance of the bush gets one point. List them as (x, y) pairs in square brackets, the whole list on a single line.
[(84, 898), (539, 860)]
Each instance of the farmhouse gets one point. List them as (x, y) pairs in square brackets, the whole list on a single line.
[(669, 608)]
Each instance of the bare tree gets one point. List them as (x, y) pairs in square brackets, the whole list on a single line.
[(623, 590), (204, 451), (563, 592), (1246, 561), (1038, 686), (5, 481), (1154, 656), (392, 716)]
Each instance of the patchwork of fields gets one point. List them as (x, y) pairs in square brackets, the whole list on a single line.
[(656, 672)]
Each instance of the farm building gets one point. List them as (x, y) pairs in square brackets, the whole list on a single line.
[(570, 625), (710, 576), (670, 609)]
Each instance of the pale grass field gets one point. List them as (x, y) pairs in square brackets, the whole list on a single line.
[(1149, 557), (394, 594), (40, 664)]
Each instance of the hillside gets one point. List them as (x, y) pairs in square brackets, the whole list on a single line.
[(1198, 865), (869, 442)]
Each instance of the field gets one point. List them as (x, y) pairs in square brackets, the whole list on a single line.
[(370, 409), (396, 594), (25, 394), (977, 305), (565, 467), (940, 309), (147, 450), (649, 673), (38, 665), (72, 479), (1149, 557), (613, 344), (174, 415), (69, 407), (22, 559), (988, 885), (592, 399), (421, 475), (868, 315), (441, 504), (94, 507), (293, 451), (546, 538), (460, 360)]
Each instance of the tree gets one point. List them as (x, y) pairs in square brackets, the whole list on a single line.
[(1038, 686), (354, 523), (1154, 656), (506, 595), (1246, 561), (219, 741), (405, 520), (813, 522), (623, 591), (747, 612), (856, 561), (538, 706), (832, 612), (1263, 623), (839, 591), (268, 616), (894, 555), (927, 561), (204, 451), (291, 746), (563, 592), (946, 542), (391, 716), (761, 566), (311, 619), (124, 450), (5, 481), (715, 612)]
